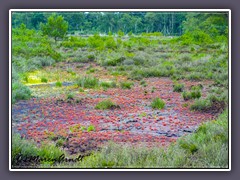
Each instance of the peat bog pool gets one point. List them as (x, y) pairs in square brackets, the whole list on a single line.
[(51, 117)]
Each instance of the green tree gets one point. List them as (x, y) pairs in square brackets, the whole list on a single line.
[(55, 27)]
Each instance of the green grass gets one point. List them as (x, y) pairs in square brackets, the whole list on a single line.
[(158, 103), (126, 85), (194, 94), (87, 82), (108, 84), (20, 92), (106, 104), (44, 80), (58, 84), (204, 104), (70, 95), (25, 150), (91, 128), (178, 87)]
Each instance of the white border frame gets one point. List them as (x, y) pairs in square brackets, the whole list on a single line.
[(118, 10)]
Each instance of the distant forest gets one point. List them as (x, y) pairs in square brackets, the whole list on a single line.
[(168, 23)]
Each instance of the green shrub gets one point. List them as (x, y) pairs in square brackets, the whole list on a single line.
[(81, 90), (106, 104), (70, 96), (158, 103), (91, 70), (60, 142), (58, 84), (126, 85), (189, 147), (44, 80), (201, 104), (114, 61), (191, 94), (87, 82), (197, 87), (91, 128), (20, 92), (91, 57), (108, 84), (23, 149), (178, 87), (210, 101)]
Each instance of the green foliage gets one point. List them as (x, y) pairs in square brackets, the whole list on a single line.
[(74, 42), (108, 84), (81, 90), (60, 142), (23, 149), (70, 95), (58, 84), (114, 61), (193, 94), (106, 104), (195, 37), (189, 147), (91, 128), (210, 101), (152, 34), (55, 27), (178, 87), (157, 103), (120, 33), (126, 85), (197, 87), (44, 80), (29, 43), (87, 82), (20, 92)]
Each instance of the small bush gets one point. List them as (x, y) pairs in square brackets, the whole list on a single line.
[(20, 92), (178, 87), (60, 142), (201, 104), (91, 128), (158, 103), (106, 104), (58, 84), (87, 82), (126, 85), (81, 90), (23, 150), (191, 94), (70, 96), (44, 80), (91, 57), (189, 147), (197, 87), (108, 84)]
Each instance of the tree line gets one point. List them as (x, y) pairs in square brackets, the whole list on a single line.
[(105, 22), (168, 23)]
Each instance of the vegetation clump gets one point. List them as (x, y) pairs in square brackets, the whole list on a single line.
[(178, 87), (157, 103), (106, 104), (58, 84), (126, 85), (193, 94), (87, 82)]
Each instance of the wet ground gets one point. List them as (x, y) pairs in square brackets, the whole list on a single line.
[(83, 128)]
